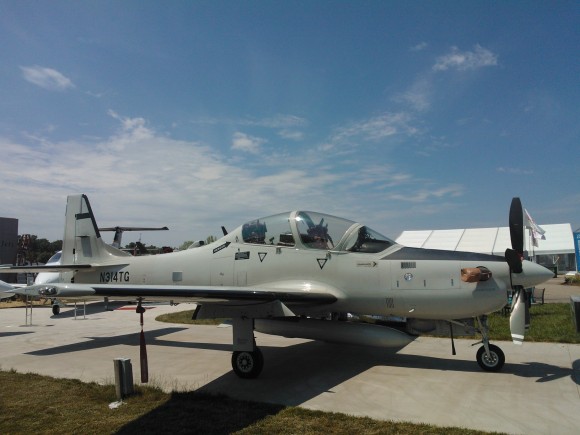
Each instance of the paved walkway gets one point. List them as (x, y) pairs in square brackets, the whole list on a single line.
[(556, 292), (537, 392)]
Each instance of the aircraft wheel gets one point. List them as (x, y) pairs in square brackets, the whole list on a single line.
[(492, 363), (248, 365), (56, 309)]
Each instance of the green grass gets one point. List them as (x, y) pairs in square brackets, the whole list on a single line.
[(185, 318), (551, 323), (37, 404)]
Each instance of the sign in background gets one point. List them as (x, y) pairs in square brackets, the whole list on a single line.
[(577, 248)]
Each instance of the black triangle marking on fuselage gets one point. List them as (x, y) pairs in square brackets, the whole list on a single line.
[(321, 262), (262, 255)]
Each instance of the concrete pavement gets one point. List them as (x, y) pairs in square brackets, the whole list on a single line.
[(556, 292), (537, 392)]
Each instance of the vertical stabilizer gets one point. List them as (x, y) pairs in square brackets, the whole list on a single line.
[(82, 243)]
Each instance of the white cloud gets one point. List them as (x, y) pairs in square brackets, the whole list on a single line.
[(138, 176), (291, 134), (418, 96), (277, 121), (280, 121), (420, 46), (377, 128), (514, 171), (466, 60), (247, 143), (424, 195), (46, 78)]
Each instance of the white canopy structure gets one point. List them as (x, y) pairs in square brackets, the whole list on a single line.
[(558, 240)]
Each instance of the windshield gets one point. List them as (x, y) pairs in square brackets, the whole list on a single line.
[(368, 241)]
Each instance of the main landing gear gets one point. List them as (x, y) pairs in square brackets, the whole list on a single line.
[(489, 357), (248, 364), (247, 359)]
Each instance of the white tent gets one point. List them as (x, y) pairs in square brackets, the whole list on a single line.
[(559, 240)]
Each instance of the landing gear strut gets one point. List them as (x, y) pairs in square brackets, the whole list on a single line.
[(489, 357), (247, 359)]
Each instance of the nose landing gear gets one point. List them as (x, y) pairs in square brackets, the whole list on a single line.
[(489, 356)]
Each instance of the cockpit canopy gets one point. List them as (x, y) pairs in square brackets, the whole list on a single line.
[(314, 231)]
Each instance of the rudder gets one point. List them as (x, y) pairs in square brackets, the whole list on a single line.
[(82, 243)]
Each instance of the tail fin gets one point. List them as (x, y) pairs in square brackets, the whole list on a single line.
[(82, 243)]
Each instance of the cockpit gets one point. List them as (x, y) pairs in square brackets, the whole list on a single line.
[(314, 230)]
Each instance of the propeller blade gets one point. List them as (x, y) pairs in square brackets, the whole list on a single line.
[(528, 320), (516, 224), (519, 319), (514, 261)]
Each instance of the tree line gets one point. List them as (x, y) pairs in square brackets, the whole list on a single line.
[(37, 250)]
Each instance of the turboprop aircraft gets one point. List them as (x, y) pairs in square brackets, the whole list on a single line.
[(296, 274)]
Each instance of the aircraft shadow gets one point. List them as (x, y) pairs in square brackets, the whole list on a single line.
[(312, 364), (100, 342), (11, 334), (293, 375), (68, 310), (201, 413)]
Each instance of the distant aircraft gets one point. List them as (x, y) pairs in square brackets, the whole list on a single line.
[(288, 273), (6, 290)]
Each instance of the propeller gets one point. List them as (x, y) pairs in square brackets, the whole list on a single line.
[(520, 314), (515, 255)]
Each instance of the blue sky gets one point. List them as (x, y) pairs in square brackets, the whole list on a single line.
[(196, 114)]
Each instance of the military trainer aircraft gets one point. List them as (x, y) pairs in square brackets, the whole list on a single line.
[(298, 274)]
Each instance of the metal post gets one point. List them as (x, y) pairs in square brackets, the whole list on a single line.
[(123, 377), (28, 306)]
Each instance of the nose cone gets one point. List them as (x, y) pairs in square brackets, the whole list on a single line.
[(532, 275)]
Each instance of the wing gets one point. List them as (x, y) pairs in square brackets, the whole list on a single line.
[(50, 268), (290, 293)]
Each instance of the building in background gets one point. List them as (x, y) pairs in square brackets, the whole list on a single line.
[(8, 245)]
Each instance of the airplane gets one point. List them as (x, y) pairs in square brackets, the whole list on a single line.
[(298, 274), (6, 291)]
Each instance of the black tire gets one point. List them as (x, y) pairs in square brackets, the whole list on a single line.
[(248, 365), (493, 363), (56, 309)]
